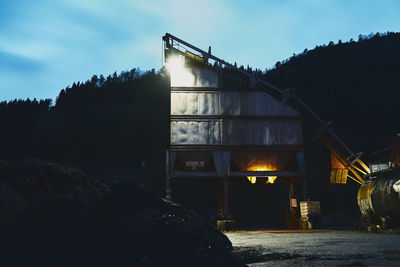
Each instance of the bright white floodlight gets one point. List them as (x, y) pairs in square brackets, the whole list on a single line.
[(180, 76)]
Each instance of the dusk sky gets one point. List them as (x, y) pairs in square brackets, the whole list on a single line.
[(46, 45)]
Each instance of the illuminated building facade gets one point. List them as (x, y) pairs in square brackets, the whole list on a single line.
[(225, 126)]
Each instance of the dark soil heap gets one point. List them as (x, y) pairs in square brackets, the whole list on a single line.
[(52, 215)]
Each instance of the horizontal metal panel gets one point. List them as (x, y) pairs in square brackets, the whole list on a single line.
[(233, 117), (253, 103), (194, 103), (181, 174), (229, 103), (205, 147), (195, 132), (256, 132), (193, 77), (236, 132), (195, 89), (194, 161)]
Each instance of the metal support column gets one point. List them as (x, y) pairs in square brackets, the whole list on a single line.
[(220, 200), (170, 158), (168, 190), (302, 166), (226, 198), (291, 195), (222, 165)]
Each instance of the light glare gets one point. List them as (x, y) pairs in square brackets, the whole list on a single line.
[(180, 76), (252, 179), (271, 179)]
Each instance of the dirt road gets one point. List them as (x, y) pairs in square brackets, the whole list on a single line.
[(316, 248)]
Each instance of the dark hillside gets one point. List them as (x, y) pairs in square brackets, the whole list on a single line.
[(354, 84), (115, 127)]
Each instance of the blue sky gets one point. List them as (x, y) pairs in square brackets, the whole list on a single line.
[(46, 45)]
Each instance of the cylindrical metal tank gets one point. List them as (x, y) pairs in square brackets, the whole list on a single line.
[(379, 201)]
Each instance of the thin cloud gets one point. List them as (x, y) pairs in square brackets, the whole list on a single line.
[(17, 64), (70, 40)]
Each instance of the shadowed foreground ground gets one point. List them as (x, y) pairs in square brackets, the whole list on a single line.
[(54, 215), (316, 248)]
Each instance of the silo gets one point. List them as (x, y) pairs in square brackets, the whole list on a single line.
[(224, 126)]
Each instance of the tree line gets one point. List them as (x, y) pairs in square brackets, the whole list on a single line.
[(114, 117), (124, 115)]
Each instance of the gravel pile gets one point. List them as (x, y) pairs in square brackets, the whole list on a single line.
[(53, 215)]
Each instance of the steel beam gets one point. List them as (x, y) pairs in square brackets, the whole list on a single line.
[(183, 174), (232, 117), (235, 147)]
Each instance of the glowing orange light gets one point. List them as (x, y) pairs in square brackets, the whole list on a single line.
[(261, 167)]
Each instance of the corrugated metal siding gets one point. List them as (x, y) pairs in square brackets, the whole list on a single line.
[(211, 131), (253, 103), (195, 132), (256, 132), (237, 132), (184, 103), (231, 103)]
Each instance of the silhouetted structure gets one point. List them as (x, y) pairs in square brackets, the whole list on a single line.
[(106, 119)]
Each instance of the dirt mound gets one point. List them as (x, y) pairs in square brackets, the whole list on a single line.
[(137, 227), (35, 191), (53, 215)]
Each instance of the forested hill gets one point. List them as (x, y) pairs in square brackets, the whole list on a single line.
[(354, 84), (120, 116)]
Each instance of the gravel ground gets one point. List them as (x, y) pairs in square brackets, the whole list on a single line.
[(316, 248)]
